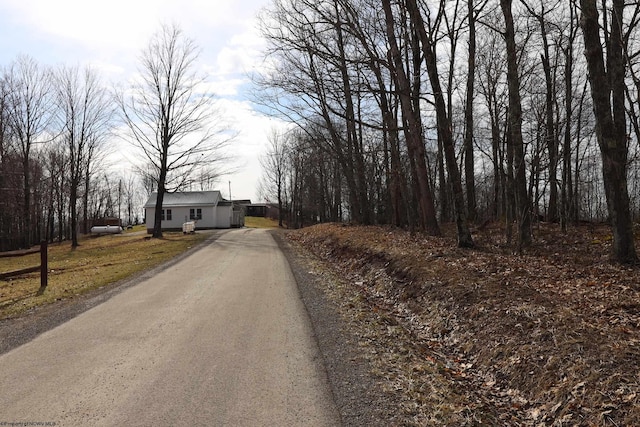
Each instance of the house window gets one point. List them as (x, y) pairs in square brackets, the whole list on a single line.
[(166, 215), (195, 213), (162, 214)]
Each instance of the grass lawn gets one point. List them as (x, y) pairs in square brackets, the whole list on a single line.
[(260, 222), (97, 262)]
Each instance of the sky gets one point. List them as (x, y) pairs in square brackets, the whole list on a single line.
[(109, 36)]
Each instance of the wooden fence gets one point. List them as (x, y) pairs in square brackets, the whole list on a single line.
[(43, 267)]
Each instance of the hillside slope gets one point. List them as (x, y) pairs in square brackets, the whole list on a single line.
[(469, 337)]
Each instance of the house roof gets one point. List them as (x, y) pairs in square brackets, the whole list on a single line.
[(186, 198)]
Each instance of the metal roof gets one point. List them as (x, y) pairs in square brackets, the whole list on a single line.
[(186, 198)]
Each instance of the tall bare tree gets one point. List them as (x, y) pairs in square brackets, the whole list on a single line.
[(444, 124), (608, 93), (413, 127), (567, 212), (551, 101), (274, 167), (469, 158), (30, 112), (85, 111), (523, 204), (170, 117)]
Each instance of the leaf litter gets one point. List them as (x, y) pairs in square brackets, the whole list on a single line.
[(550, 337)]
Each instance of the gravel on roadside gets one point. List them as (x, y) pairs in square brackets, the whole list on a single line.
[(358, 394)]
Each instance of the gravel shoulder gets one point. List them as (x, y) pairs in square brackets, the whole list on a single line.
[(486, 337), (360, 396)]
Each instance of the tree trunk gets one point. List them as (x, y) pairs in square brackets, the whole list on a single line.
[(73, 208), (552, 141), (469, 159), (157, 218), (610, 121), (523, 206), (509, 188), (413, 129), (444, 127), (26, 218), (567, 185), (443, 188), (85, 201), (362, 207)]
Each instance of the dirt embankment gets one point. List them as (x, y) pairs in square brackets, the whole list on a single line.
[(468, 337)]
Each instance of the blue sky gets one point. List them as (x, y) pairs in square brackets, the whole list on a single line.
[(110, 35)]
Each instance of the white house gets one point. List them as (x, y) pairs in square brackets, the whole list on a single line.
[(207, 208)]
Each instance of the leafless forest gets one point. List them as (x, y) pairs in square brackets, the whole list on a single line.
[(415, 113), (411, 113), (59, 126), (54, 127)]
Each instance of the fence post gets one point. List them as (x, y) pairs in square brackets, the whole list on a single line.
[(43, 265)]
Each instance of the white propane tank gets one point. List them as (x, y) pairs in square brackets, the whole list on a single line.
[(106, 229)]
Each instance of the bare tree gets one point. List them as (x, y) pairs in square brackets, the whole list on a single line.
[(7, 229), (85, 112), (567, 195), (131, 193), (608, 93), (491, 63), (30, 110), (170, 117), (317, 59), (469, 158), (274, 167), (551, 101), (413, 128), (523, 205), (55, 162), (444, 124)]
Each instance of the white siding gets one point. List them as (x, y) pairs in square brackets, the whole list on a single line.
[(224, 214), (208, 217), (181, 204), (175, 221), (183, 215), (212, 217)]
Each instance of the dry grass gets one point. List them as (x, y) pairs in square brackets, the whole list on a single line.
[(550, 337), (97, 262), (260, 222)]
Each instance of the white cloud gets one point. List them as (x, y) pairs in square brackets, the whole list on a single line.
[(231, 61), (118, 29), (109, 36), (224, 87), (251, 142), (126, 23), (92, 24)]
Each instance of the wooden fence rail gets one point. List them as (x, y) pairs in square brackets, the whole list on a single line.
[(43, 267)]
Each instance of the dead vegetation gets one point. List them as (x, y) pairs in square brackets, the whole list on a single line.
[(470, 337), (97, 262)]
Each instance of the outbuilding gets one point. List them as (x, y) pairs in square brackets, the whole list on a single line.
[(206, 208)]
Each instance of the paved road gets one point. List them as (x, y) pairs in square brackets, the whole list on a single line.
[(219, 339)]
